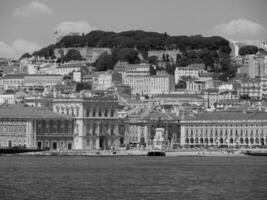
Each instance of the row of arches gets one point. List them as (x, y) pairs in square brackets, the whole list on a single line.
[(68, 110), (233, 141), (226, 133)]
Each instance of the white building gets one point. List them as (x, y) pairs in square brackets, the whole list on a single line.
[(150, 85), (66, 69), (105, 80), (8, 98), (256, 66), (192, 71)]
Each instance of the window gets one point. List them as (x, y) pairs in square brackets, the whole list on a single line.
[(94, 112), (87, 113), (112, 127), (100, 112), (112, 113), (94, 129)]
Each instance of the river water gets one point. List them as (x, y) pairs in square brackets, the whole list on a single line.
[(132, 177)]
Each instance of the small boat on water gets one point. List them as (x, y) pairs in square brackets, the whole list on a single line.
[(156, 153), (256, 153), (14, 150)]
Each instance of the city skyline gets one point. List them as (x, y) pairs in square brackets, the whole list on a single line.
[(34, 23)]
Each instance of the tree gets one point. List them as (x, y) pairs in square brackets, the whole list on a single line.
[(129, 55), (249, 49), (25, 55), (153, 70), (170, 68), (153, 60), (105, 62), (245, 97), (72, 54)]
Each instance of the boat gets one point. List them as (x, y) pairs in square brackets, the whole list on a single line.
[(156, 153), (256, 153), (13, 150)]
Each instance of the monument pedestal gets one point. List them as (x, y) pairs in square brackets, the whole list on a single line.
[(158, 141)]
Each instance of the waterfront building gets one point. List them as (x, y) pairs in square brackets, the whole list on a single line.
[(150, 85), (141, 128), (225, 129), (30, 127), (97, 125)]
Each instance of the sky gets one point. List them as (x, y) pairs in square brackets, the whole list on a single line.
[(28, 25)]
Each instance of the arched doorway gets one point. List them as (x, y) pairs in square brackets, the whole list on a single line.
[(186, 140), (262, 141), (102, 142), (122, 141), (54, 145), (39, 145), (69, 146), (211, 140)]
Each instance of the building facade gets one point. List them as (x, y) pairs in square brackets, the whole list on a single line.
[(141, 129), (252, 88), (29, 127), (44, 80), (193, 71), (105, 80), (13, 81), (97, 125), (225, 129), (150, 85)]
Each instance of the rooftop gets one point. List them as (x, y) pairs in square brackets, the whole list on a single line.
[(229, 116), (157, 115), (178, 96), (24, 111), (71, 65)]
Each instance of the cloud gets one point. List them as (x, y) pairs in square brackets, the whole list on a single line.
[(17, 48), (34, 8), (241, 29), (73, 27)]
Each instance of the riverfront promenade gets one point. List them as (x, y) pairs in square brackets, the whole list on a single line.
[(184, 152)]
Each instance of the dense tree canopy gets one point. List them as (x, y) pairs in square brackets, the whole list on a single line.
[(25, 55), (105, 62), (129, 55), (249, 49), (143, 41), (47, 52), (126, 46), (72, 54)]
